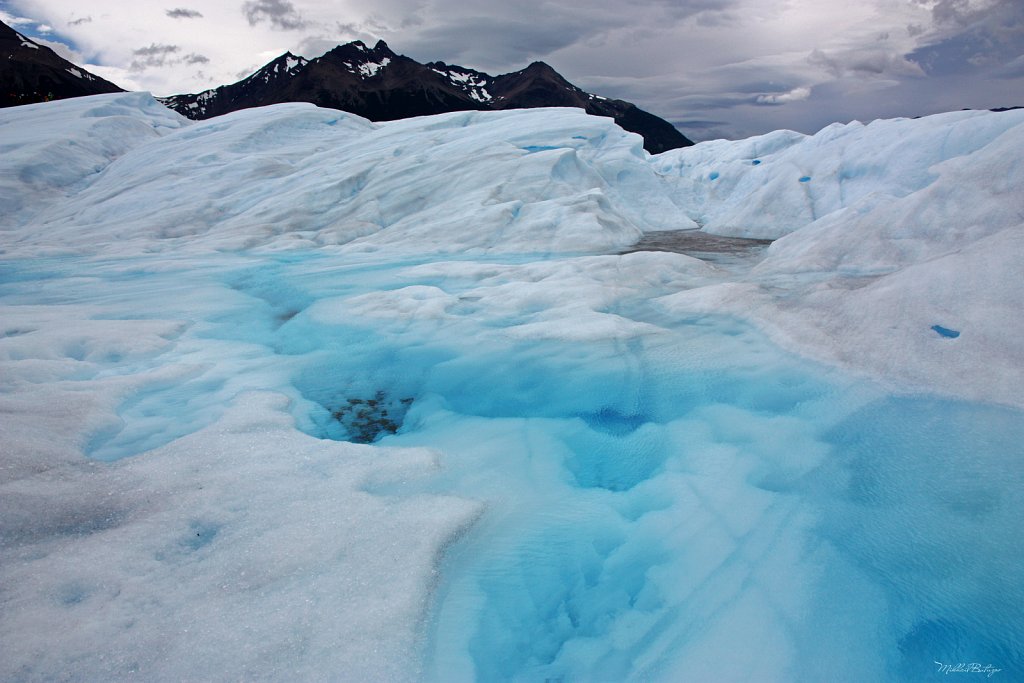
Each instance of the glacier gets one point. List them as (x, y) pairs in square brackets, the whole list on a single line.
[(287, 394)]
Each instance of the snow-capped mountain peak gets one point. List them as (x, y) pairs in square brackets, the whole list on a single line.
[(381, 85), (285, 65), (263, 81)]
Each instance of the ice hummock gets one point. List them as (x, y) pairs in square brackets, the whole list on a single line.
[(594, 464)]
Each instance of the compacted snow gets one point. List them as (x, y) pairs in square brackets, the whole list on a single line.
[(289, 395)]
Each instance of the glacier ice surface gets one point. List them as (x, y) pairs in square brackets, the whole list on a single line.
[(290, 395)]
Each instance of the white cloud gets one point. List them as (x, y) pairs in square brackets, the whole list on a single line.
[(794, 95), (62, 50), (15, 21), (867, 62)]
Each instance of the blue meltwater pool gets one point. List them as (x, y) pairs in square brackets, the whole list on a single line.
[(676, 500)]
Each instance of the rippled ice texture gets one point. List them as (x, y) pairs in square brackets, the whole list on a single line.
[(666, 499), (471, 443)]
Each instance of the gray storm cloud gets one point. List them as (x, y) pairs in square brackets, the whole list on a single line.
[(183, 13), (279, 13)]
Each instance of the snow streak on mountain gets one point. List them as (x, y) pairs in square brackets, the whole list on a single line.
[(31, 72), (380, 85), (288, 394)]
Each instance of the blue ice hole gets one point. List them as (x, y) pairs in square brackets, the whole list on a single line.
[(946, 332), (612, 422), (72, 593), (713, 176), (615, 459), (538, 148), (199, 534), (756, 162), (805, 179)]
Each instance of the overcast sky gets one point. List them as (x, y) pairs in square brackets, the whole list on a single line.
[(715, 68)]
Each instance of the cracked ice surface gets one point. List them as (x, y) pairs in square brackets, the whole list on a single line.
[(581, 465)]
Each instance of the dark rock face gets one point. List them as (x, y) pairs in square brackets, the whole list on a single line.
[(380, 85), (261, 88), (34, 73)]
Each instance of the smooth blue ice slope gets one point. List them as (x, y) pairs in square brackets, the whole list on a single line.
[(383, 402)]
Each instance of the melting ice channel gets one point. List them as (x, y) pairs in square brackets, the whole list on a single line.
[(685, 503)]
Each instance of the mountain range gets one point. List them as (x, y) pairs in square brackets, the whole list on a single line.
[(31, 72), (374, 83), (379, 85)]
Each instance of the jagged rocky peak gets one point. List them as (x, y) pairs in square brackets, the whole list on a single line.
[(359, 59), (291, 60), (381, 85), (285, 64), (358, 51)]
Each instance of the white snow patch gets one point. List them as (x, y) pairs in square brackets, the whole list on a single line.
[(371, 68)]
